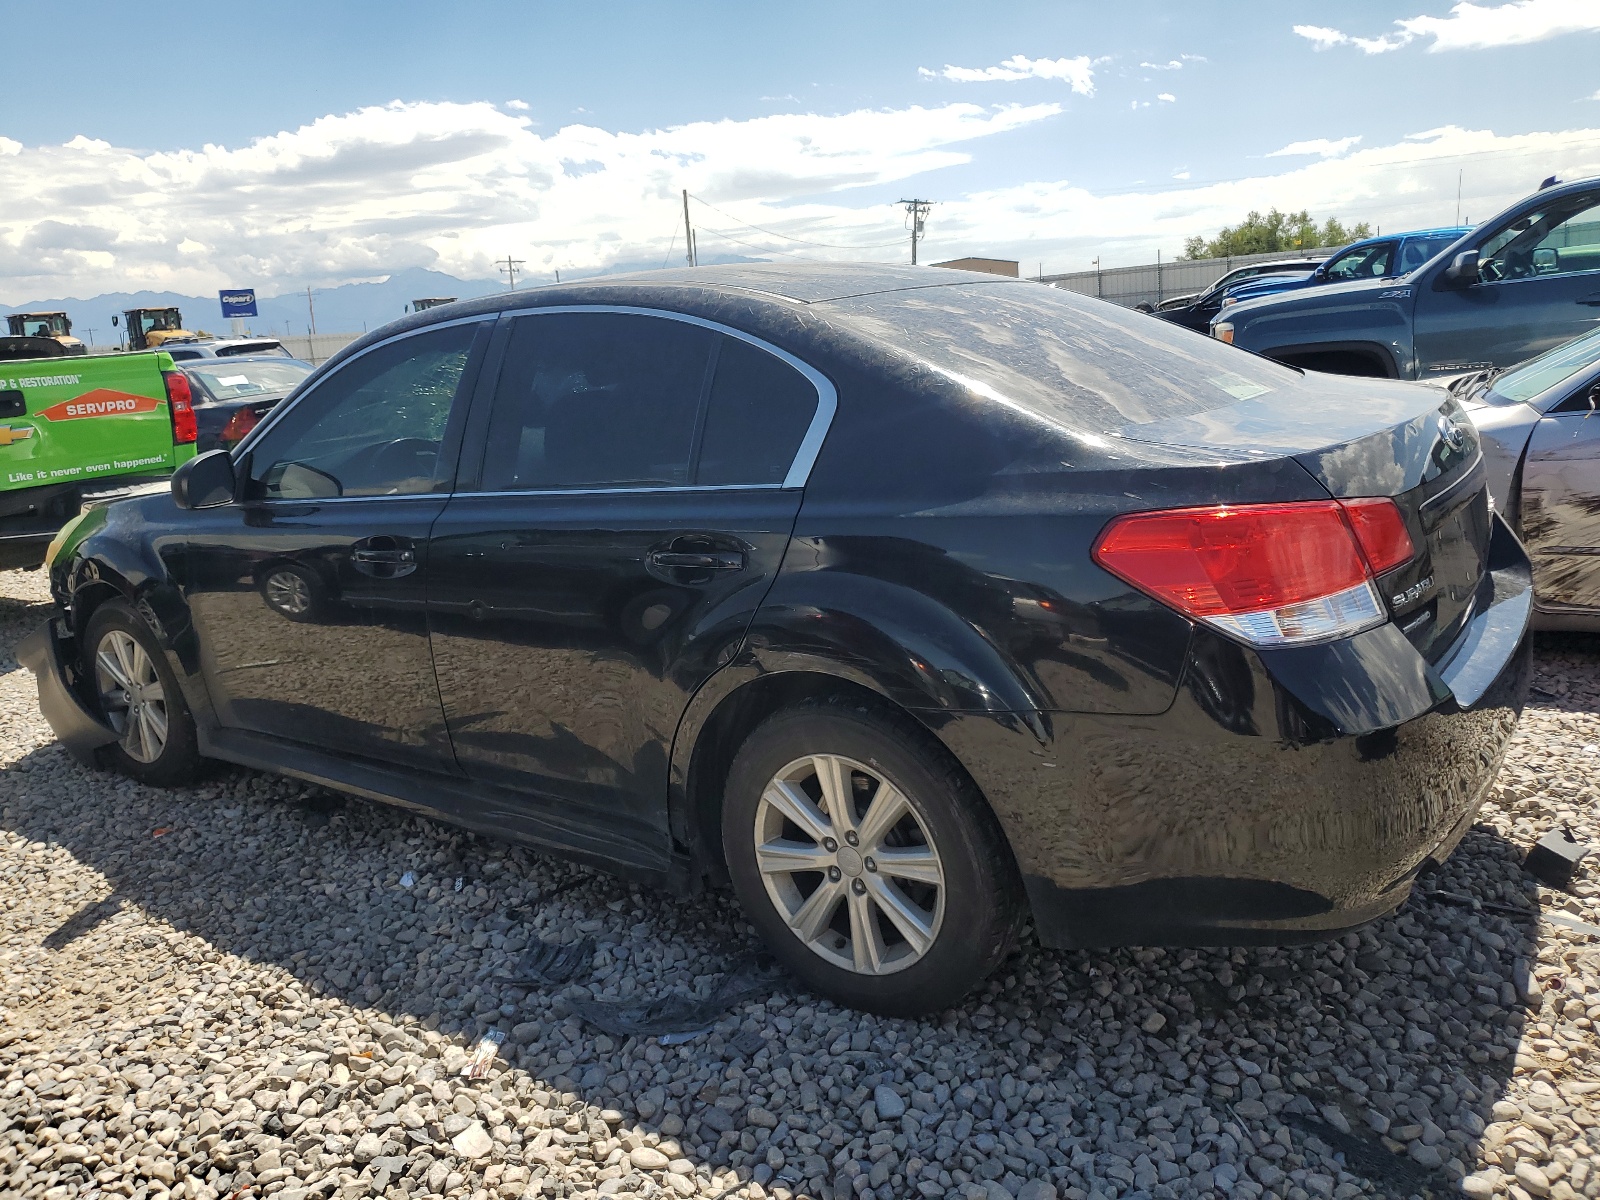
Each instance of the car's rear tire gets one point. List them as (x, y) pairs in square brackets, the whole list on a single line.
[(138, 696), (900, 904)]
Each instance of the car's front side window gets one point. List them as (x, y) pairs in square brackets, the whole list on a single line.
[(373, 428), (1559, 240), (595, 400), (1366, 262)]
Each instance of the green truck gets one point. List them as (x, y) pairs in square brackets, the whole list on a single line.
[(73, 426)]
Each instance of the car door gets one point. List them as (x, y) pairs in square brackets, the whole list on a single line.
[(308, 593), (1561, 502), (637, 489), (1538, 285)]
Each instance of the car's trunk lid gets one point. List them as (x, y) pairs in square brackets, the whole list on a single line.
[(1367, 437)]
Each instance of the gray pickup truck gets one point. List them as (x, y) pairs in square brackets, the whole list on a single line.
[(1515, 286)]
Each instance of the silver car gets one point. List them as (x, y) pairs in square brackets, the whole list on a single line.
[(1541, 444)]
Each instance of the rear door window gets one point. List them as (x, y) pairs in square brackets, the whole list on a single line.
[(597, 400), (759, 411)]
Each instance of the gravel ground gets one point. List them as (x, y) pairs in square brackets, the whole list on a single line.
[(230, 991)]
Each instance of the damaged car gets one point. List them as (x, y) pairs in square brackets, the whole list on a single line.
[(914, 606)]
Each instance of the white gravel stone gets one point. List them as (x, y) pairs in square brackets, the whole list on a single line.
[(250, 999)]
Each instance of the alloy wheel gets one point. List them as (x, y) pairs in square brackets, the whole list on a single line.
[(849, 865), (131, 695), (288, 592)]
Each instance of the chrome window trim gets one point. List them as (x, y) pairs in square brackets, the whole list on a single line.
[(313, 382), (810, 445), (799, 469), (686, 489)]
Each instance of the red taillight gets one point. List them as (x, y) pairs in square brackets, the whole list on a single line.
[(180, 405), (1273, 574), (239, 425), (1381, 530)]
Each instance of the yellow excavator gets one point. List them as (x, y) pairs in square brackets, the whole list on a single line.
[(46, 325), (149, 328)]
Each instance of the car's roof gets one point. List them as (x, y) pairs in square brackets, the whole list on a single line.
[(235, 359)]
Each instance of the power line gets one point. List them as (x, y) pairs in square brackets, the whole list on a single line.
[(753, 245), (790, 238)]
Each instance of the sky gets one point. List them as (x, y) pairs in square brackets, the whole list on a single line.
[(314, 144)]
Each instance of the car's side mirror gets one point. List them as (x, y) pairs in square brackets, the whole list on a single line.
[(1463, 270), (205, 481)]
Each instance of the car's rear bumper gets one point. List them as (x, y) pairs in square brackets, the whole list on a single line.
[(80, 730), (1284, 797)]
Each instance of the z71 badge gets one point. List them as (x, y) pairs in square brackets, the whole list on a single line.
[(1415, 592)]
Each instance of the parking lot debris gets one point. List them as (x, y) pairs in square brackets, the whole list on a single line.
[(752, 977), (409, 879), (674, 1039), (1363, 1155), (162, 831), (1498, 907), (748, 1044), (483, 1054), (550, 964), (1555, 857)]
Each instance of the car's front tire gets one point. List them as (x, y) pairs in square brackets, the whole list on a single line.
[(138, 696), (866, 858)]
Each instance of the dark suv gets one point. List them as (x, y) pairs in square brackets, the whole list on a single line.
[(1516, 286), (911, 602)]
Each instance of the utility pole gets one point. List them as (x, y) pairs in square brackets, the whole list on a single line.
[(508, 267), (311, 308), (1459, 173), (90, 332), (917, 217), (688, 233)]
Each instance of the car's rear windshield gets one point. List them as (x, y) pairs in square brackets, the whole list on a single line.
[(1537, 375), (237, 380), (1074, 361)]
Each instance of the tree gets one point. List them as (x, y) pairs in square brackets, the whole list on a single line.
[(1276, 231)]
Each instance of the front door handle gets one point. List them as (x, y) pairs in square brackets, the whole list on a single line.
[(384, 557), (697, 560), (1592, 299)]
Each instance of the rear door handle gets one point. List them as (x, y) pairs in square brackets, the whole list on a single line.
[(697, 560)]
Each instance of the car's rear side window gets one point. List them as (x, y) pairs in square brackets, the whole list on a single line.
[(1073, 361), (759, 411), (596, 400)]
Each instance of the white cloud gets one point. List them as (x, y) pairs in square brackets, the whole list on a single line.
[(448, 186), (1323, 147), (1410, 184), (1175, 64), (1167, 98), (1078, 72), (1472, 27), (455, 186), (517, 105), (7, 146)]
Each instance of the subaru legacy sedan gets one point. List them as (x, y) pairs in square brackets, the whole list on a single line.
[(912, 604)]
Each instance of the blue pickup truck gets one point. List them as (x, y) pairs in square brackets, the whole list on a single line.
[(1513, 287), (1371, 258)]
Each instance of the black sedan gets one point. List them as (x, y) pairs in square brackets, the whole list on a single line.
[(232, 394), (912, 604)]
